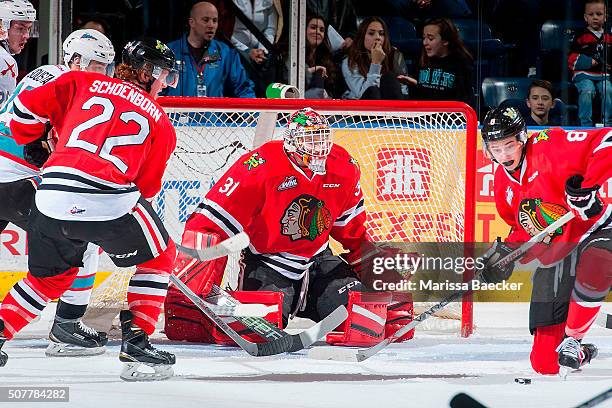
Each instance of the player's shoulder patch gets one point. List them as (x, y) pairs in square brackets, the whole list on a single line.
[(541, 136)]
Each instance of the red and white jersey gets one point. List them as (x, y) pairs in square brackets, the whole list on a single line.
[(537, 198), (288, 215), (8, 74), (13, 165), (114, 142)]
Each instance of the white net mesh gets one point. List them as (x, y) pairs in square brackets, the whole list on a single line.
[(413, 166)]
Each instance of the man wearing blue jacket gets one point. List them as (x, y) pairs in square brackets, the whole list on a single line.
[(208, 67)]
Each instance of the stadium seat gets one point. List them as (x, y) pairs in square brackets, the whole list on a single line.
[(477, 38), (555, 39), (497, 90)]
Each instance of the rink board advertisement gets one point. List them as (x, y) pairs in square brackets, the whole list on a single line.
[(415, 187)]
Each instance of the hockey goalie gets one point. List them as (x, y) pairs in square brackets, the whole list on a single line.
[(290, 197)]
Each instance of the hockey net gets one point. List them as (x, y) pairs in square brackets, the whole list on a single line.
[(414, 158)]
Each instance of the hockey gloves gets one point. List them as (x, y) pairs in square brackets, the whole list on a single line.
[(584, 202), (495, 274), (37, 152)]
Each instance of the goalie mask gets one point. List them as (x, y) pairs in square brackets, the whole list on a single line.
[(89, 45), (504, 135), (308, 137)]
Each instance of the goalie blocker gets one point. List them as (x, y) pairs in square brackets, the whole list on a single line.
[(371, 315)]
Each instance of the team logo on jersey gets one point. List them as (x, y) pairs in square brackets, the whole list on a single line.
[(306, 217), (535, 215), (9, 68), (542, 136), (289, 182), (75, 210), (254, 161)]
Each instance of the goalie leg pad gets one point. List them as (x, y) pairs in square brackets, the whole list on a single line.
[(399, 313), (365, 324), (184, 321)]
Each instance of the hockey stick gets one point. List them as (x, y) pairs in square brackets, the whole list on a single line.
[(231, 245), (299, 341), (596, 400), (281, 342), (225, 308), (361, 354)]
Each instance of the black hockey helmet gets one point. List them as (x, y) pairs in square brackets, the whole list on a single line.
[(501, 123), (154, 52)]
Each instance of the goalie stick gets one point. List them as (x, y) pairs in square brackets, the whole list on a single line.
[(361, 354), (228, 308), (231, 245), (281, 341)]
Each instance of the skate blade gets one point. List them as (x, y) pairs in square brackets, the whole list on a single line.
[(132, 373), (70, 350)]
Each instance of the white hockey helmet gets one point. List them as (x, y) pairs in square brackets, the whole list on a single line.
[(15, 10), (89, 45), (309, 135)]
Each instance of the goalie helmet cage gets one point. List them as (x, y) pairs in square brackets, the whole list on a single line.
[(417, 160)]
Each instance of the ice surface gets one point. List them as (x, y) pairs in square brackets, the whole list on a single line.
[(425, 372)]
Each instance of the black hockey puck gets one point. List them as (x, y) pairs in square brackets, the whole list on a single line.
[(522, 380)]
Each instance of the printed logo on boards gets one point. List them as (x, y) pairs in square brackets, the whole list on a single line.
[(306, 217), (403, 174)]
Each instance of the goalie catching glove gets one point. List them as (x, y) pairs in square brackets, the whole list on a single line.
[(583, 201), (495, 274)]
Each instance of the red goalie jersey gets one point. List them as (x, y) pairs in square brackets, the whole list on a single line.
[(537, 198), (114, 142), (288, 216)]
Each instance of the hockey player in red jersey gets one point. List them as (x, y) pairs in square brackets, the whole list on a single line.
[(87, 50), (540, 178), (113, 144), (290, 197)]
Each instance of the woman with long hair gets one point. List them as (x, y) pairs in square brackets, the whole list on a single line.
[(372, 67), (321, 70), (445, 67)]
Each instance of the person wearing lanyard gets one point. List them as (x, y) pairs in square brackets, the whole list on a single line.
[(208, 67)]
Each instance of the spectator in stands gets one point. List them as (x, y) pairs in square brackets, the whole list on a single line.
[(589, 59), (96, 24), (321, 70), (445, 67), (340, 14), (373, 68), (207, 67), (540, 101), (259, 61)]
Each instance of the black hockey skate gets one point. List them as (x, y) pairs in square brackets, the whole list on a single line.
[(73, 338), (3, 355), (573, 355), (136, 350)]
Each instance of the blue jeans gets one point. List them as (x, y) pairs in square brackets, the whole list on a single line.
[(586, 93)]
